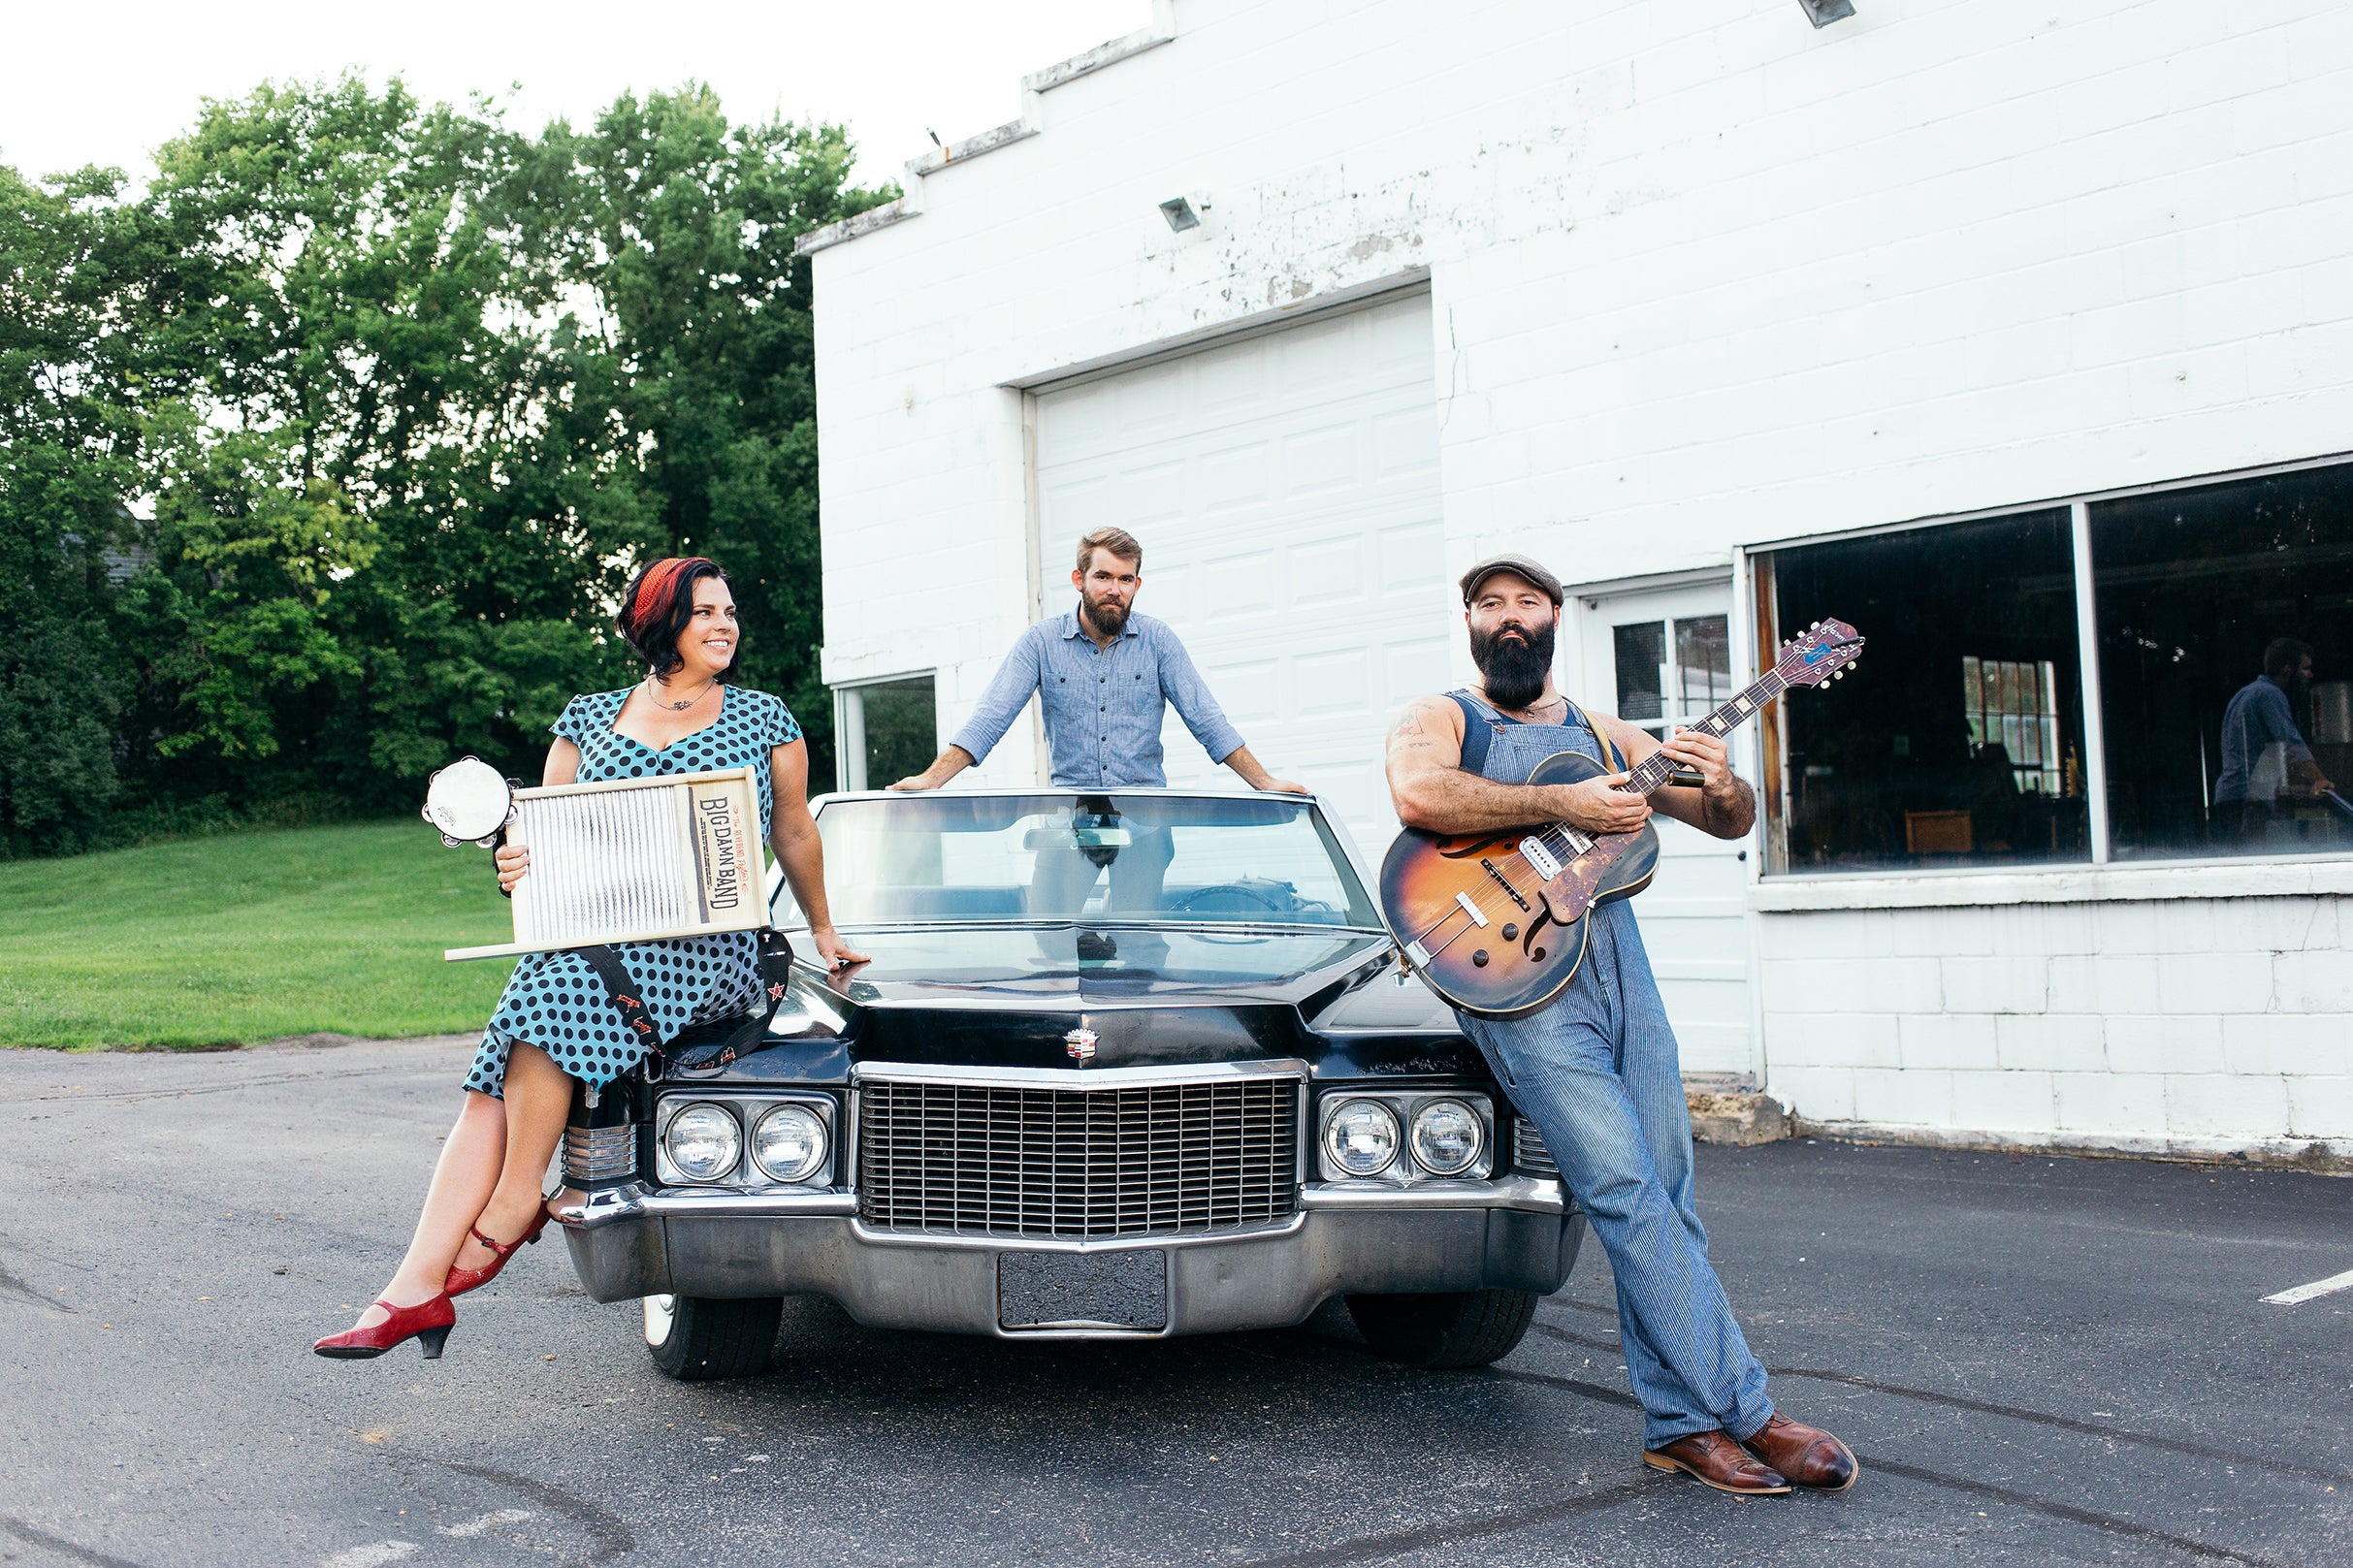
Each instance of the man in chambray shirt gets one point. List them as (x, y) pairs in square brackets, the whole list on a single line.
[(1102, 672)]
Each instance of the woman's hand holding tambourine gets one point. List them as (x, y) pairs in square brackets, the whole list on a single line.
[(513, 860)]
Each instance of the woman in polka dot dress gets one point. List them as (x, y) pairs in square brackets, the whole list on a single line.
[(557, 1022)]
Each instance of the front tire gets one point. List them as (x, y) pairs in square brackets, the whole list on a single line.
[(697, 1338), (1459, 1329)]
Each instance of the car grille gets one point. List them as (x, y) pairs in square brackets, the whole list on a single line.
[(1135, 1160), (1528, 1152)]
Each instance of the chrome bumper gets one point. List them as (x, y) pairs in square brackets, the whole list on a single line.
[(1515, 1234)]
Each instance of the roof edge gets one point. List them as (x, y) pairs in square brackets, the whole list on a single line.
[(1095, 59), (850, 228)]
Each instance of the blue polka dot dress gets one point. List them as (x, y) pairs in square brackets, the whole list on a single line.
[(554, 1001)]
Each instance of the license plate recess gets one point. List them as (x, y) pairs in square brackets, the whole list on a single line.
[(1126, 1290)]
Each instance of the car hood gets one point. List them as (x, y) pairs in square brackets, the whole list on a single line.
[(1012, 996)]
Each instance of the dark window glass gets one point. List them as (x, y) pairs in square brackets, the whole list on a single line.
[(2205, 754), (1641, 653), (890, 729), (1958, 738), (1704, 661)]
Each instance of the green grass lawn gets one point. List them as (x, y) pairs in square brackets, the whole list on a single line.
[(250, 937)]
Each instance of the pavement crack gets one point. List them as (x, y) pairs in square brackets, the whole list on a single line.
[(2088, 1428), (609, 1538), (1372, 1548), (58, 1544), (2108, 1522), (1982, 1407), (13, 1288)]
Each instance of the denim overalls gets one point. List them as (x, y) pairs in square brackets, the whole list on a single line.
[(1598, 1073)]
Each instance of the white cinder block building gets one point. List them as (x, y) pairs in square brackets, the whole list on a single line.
[(2020, 337)]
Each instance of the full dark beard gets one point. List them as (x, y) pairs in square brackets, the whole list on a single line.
[(1513, 670), (1109, 619)]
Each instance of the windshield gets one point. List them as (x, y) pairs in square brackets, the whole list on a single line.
[(921, 858)]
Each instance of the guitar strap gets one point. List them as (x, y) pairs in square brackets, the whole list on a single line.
[(1480, 723)]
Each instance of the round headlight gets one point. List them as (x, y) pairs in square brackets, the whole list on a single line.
[(788, 1143), (1447, 1137), (1361, 1137), (703, 1143)]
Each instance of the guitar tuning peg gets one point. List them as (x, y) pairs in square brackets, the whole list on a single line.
[(1817, 626)]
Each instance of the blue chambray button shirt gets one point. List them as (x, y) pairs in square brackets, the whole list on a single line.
[(1102, 705)]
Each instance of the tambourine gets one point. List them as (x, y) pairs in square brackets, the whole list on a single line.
[(469, 801)]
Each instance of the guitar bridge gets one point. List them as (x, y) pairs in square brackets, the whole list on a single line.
[(1477, 916)]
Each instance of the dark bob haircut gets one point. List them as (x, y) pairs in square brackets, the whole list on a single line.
[(658, 605)]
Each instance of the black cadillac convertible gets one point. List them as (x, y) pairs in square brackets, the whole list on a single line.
[(1123, 1066)]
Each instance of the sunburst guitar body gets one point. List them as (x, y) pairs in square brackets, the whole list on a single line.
[(1495, 922), (1518, 941)]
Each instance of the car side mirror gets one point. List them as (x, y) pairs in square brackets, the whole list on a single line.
[(469, 801)]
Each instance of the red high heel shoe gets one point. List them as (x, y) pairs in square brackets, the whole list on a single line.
[(462, 1280), (427, 1323)]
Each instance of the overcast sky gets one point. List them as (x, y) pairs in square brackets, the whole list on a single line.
[(106, 84)]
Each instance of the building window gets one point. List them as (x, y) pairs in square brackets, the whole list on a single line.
[(1657, 691), (883, 730), (1950, 743), (2222, 619), (2207, 754), (2015, 705)]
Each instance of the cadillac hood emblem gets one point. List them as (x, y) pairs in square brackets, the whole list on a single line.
[(1081, 1043)]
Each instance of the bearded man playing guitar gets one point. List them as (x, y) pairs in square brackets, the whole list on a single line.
[(1594, 1066)]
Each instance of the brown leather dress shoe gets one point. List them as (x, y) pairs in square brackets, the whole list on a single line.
[(1807, 1454), (1714, 1459)]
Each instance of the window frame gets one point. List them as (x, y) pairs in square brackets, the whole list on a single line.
[(2066, 881), (850, 722)]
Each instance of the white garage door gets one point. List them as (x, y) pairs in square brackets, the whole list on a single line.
[(1286, 491)]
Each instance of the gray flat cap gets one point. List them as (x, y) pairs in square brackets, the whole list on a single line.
[(1518, 567)]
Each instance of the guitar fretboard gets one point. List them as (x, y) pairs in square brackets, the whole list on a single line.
[(1565, 842), (1653, 771)]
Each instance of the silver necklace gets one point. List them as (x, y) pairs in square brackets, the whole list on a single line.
[(651, 686)]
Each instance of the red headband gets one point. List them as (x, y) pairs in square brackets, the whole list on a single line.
[(653, 589)]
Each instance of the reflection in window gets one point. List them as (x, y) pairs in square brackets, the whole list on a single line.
[(1913, 760), (885, 730), (1641, 656), (1703, 662), (2210, 751), (1657, 693), (2016, 706)]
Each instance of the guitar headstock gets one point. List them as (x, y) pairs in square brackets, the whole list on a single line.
[(1822, 653)]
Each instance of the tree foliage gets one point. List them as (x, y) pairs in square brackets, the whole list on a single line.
[(326, 454)]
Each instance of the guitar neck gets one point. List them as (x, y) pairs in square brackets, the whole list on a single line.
[(1653, 771)]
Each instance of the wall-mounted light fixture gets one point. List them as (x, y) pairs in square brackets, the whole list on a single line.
[(1822, 13), (1178, 211)]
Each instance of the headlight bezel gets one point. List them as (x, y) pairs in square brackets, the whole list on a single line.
[(747, 1111), (678, 1171), (1405, 1168), (1434, 1106), (1345, 1104), (820, 1157)]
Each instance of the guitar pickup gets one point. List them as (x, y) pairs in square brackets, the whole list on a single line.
[(1546, 863)]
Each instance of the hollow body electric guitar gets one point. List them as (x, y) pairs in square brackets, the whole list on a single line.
[(1495, 922)]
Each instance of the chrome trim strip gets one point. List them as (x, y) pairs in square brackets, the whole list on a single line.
[(1139, 1241), (1524, 1192), (611, 1206), (1078, 1077)]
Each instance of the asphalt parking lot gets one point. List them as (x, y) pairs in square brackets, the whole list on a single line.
[(2039, 1360)]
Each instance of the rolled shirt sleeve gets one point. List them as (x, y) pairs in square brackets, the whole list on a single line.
[(1015, 682), (1189, 694)]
